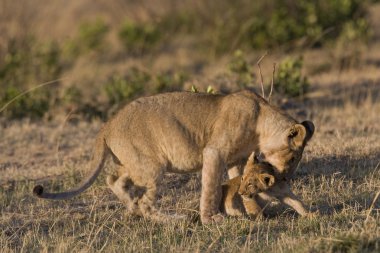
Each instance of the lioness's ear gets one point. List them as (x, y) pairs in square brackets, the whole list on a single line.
[(297, 135), (266, 179), (309, 126)]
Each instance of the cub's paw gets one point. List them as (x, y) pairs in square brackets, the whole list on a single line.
[(256, 216), (312, 215)]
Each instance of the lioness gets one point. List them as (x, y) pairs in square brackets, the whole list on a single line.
[(239, 193), (184, 132)]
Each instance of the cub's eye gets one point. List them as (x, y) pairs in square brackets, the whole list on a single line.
[(292, 159)]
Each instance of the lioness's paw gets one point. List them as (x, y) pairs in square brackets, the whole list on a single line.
[(111, 180), (216, 218)]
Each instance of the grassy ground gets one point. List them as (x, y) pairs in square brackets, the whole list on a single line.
[(339, 174)]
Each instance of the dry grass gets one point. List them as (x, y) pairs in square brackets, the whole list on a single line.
[(339, 176)]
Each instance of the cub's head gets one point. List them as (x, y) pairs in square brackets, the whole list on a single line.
[(257, 177), (284, 150)]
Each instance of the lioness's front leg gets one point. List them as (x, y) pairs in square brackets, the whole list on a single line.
[(211, 194)]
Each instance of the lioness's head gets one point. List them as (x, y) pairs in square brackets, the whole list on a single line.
[(257, 177), (284, 151)]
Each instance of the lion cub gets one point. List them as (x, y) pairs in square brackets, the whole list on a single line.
[(239, 193)]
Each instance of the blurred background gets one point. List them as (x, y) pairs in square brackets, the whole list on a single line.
[(102, 54)]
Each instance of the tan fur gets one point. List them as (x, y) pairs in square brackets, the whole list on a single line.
[(239, 193), (185, 132)]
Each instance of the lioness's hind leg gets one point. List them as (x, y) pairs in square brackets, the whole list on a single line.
[(124, 189), (147, 203)]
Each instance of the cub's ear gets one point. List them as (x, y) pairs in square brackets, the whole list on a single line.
[(300, 134), (252, 158), (267, 180)]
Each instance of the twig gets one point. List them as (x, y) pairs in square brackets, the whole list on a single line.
[(30, 90), (372, 206), (271, 85), (61, 130), (261, 75)]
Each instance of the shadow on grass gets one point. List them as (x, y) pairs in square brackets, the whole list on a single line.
[(354, 168), (337, 95), (346, 169)]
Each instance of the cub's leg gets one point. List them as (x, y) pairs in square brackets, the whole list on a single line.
[(234, 171), (232, 203), (252, 208)]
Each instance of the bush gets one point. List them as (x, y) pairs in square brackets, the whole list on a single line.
[(290, 80), (26, 64), (241, 68), (288, 21), (209, 90), (169, 81), (349, 54), (121, 89), (138, 38), (92, 34), (71, 96), (33, 105), (265, 24)]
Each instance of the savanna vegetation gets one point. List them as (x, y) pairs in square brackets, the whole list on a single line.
[(67, 66)]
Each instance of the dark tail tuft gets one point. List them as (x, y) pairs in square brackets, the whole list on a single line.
[(38, 190)]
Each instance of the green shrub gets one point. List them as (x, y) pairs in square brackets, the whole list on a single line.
[(348, 55), (71, 95), (265, 24), (290, 80), (209, 90), (49, 64), (288, 21), (121, 89), (169, 81), (138, 38), (241, 68), (92, 35), (25, 65), (33, 105)]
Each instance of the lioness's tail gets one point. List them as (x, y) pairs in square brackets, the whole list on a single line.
[(100, 154)]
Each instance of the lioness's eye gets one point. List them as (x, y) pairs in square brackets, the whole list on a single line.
[(292, 159)]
